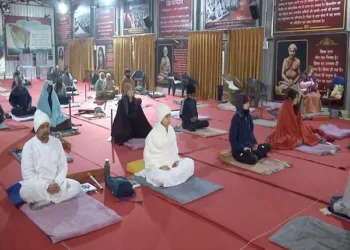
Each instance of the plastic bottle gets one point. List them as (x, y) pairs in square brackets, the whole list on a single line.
[(107, 170)]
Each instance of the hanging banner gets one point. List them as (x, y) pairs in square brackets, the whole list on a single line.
[(134, 13), (171, 58), (82, 22), (175, 18), (2, 47), (27, 36), (105, 23), (306, 15), (326, 53), (63, 28), (228, 14), (104, 55)]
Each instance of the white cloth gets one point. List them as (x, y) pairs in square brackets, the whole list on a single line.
[(43, 164), (343, 205), (39, 119), (161, 150)]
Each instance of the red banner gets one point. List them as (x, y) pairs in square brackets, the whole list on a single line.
[(175, 18), (105, 23), (227, 14), (63, 28), (326, 53), (306, 15)]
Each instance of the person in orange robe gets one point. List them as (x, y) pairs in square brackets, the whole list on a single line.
[(291, 132)]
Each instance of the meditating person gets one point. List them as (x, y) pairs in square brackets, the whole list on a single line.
[(18, 72), (2, 115), (61, 92), (291, 132), (56, 74), (188, 111), (308, 87), (341, 204), (21, 101), (68, 80), (50, 105), (50, 74), (163, 166), (16, 78), (44, 168), (110, 88), (100, 86), (130, 121), (127, 79), (244, 147)]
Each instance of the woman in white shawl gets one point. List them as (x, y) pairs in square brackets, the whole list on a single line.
[(163, 166)]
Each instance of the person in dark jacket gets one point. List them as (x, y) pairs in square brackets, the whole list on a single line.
[(21, 101), (188, 111), (130, 121), (244, 146)]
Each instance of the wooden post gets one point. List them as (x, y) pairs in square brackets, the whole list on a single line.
[(72, 94), (111, 118), (70, 110)]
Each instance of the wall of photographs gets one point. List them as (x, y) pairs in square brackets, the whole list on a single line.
[(310, 33), (171, 22)]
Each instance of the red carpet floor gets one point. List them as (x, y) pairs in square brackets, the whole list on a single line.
[(249, 207)]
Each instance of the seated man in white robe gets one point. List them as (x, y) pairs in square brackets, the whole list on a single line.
[(44, 168), (163, 166), (341, 204)]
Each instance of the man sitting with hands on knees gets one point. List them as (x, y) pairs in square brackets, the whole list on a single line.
[(44, 168), (244, 146), (163, 166), (189, 113)]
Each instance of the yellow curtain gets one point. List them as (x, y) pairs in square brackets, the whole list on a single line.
[(245, 53), (144, 58), (81, 57), (204, 61), (122, 54)]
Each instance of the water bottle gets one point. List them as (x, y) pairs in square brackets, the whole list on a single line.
[(107, 170)]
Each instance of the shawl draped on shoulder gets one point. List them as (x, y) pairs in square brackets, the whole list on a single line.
[(55, 114), (291, 132), (161, 147)]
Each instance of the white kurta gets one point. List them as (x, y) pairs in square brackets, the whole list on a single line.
[(44, 164), (161, 150), (343, 205)]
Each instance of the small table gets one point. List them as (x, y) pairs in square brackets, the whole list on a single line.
[(329, 101)]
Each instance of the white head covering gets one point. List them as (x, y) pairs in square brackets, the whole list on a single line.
[(162, 111), (39, 119)]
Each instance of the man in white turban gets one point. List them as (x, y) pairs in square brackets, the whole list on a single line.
[(44, 168), (163, 166)]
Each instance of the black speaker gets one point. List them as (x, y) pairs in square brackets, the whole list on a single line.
[(254, 10), (147, 22)]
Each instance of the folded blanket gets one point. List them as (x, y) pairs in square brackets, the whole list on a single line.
[(333, 130), (319, 149)]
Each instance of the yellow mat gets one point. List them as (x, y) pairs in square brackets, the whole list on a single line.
[(265, 166), (204, 132), (135, 166)]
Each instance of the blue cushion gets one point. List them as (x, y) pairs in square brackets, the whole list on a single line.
[(13, 193)]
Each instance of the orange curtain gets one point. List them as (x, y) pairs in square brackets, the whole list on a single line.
[(245, 53), (122, 56), (81, 57), (144, 58), (204, 61)]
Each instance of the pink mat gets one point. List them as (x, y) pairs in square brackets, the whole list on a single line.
[(72, 218)]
